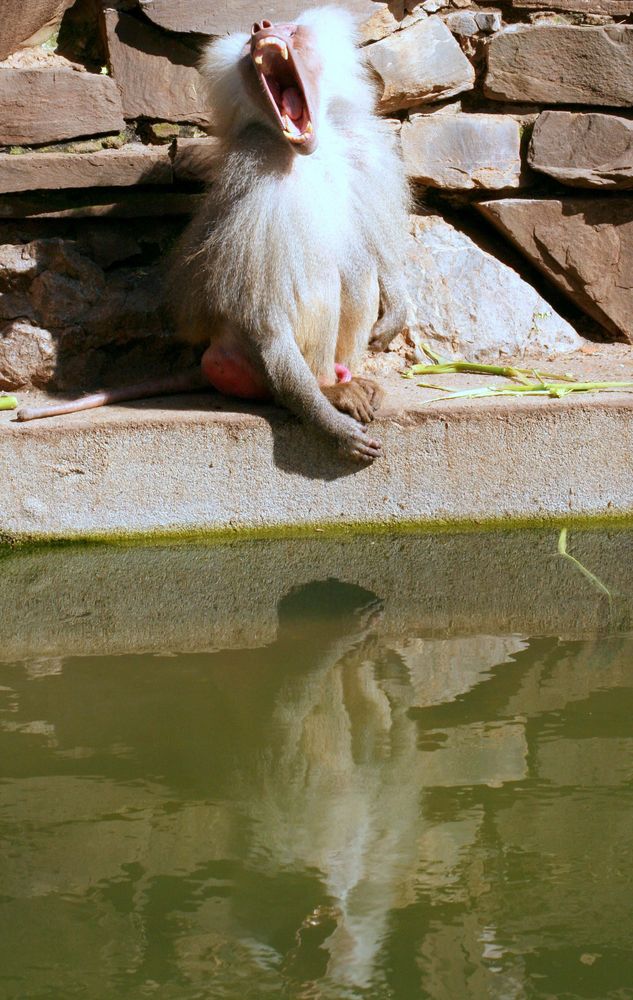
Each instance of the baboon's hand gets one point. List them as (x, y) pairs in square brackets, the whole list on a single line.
[(354, 442), (360, 398)]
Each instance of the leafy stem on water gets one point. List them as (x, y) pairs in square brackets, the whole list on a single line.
[(593, 579)]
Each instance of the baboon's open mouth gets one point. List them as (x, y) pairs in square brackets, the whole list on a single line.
[(282, 85)]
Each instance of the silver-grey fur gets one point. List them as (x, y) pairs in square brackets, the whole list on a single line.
[(293, 256)]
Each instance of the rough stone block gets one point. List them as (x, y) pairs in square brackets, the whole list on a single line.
[(27, 355), (584, 150), (561, 64), (467, 302), (41, 105), (473, 22), (28, 22), (132, 164), (387, 19), (56, 304), (156, 74), (620, 8), (463, 151), (420, 64), (208, 17), (96, 203), (584, 245), (18, 264)]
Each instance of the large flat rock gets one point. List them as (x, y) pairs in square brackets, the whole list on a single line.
[(621, 8), (420, 64), (462, 152), (208, 17), (132, 164), (202, 463), (42, 105), (155, 73), (373, 18), (466, 302), (583, 150), (28, 22), (584, 245), (78, 203), (561, 64)]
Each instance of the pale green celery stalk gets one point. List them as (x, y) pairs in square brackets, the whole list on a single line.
[(531, 389), (473, 368), (593, 579)]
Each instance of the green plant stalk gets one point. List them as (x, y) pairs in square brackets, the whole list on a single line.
[(473, 368), (436, 358), (8, 403), (553, 390), (593, 579)]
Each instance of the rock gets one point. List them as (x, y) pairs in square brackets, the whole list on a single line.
[(161, 133), (561, 64), (421, 64), (66, 316), (14, 305), (584, 245), (208, 17), (193, 159), (473, 22), (375, 19), (27, 355), (466, 302), (55, 283), (18, 265), (131, 307), (40, 105), (109, 244), (619, 7), (156, 74), (583, 150), (463, 151), (132, 164), (93, 204), (31, 22), (386, 20), (68, 285)]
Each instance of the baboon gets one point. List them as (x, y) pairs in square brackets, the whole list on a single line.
[(292, 265)]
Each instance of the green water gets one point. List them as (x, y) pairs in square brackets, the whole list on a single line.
[(327, 788)]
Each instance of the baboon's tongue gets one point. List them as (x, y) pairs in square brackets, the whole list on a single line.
[(292, 103)]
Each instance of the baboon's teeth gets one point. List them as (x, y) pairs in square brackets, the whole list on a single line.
[(278, 43)]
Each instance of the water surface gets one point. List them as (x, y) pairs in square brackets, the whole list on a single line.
[(374, 768)]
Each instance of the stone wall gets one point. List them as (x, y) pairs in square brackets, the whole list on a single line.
[(516, 128)]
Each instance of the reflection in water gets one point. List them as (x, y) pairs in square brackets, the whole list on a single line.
[(343, 812)]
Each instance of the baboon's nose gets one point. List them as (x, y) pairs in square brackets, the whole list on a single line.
[(258, 27)]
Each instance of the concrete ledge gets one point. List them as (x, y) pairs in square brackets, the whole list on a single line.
[(203, 464)]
